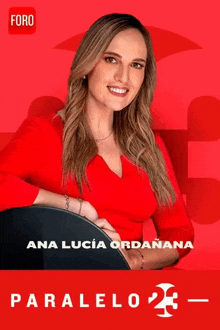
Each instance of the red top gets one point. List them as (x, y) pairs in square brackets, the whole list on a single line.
[(33, 159)]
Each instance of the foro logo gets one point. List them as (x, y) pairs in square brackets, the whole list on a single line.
[(22, 20)]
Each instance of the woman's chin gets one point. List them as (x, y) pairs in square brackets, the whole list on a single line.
[(117, 107)]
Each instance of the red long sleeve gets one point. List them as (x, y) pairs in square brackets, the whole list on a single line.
[(173, 224), (17, 161)]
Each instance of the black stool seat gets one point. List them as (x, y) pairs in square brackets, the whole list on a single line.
[(33, 226)]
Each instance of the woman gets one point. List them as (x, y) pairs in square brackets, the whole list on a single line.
[(98, 157)]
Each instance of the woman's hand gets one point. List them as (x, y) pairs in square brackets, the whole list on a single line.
[(87, 210), (108, 229), (132, 257)]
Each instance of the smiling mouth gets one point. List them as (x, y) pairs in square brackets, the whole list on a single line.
[(118, 91)]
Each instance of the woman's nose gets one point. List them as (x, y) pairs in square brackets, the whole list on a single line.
[(122, 74)]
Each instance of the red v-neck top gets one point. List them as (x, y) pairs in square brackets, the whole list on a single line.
[(33, 159)]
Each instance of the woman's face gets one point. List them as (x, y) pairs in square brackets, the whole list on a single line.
[(118, 76)]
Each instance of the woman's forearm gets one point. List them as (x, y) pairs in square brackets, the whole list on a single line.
[(152, 258), (48, 198)]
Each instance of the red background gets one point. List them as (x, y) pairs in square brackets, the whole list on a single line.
[(186, 109)]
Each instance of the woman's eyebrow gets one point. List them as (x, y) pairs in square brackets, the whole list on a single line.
[(115, 54)]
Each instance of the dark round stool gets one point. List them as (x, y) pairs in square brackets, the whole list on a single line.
[(52, 231)]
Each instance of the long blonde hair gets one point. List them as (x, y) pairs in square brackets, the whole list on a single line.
[(131, 125)]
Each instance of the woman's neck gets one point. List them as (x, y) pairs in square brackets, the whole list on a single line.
[(100, 120)]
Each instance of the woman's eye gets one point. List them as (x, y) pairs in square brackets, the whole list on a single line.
[(137, 65), (110, 60)]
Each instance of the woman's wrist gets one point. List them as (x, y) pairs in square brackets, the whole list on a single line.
[(84, 209), (80, 205), (75, 205), (142, 259), (136, 259), (48, 198)]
